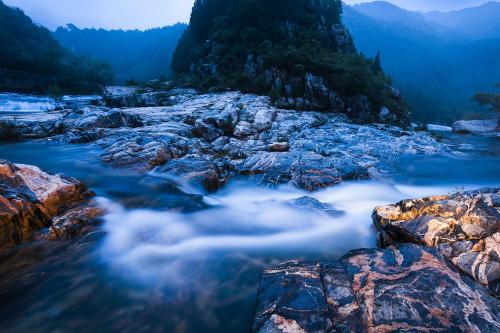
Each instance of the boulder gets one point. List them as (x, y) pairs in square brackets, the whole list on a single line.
[(73, 222), (476, 126), (403, 288), (30, 198), (195, 171), (464, 227)]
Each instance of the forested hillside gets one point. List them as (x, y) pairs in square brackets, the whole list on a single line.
[(296, 51), (133, 54), (28, 47)]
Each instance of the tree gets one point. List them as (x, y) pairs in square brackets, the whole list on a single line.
[(377, 63), (492, 100)]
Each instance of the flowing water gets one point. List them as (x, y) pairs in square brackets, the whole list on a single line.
[(170, 259)]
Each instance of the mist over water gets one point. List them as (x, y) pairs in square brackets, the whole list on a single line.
[(169, 258), (147, 244)]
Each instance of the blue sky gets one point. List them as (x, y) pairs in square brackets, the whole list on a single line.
[(143, 14)]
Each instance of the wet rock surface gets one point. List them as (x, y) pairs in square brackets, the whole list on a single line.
[(464, 227), (403, 288), (239, 134), (30, 199)]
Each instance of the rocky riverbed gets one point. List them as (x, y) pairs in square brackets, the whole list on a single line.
[(204, 140), (232, 185)]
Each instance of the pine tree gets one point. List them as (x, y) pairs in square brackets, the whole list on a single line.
[(377, 63)]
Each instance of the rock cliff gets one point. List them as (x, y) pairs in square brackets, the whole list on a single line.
[(297, 51)]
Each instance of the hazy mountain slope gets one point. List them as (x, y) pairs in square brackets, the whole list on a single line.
[(437, 72), (477, 22), (133, 54), (28, 47)]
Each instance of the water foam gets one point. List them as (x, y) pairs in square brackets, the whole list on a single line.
[(250, 219)]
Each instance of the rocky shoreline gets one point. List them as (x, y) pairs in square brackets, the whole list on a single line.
[(438, 268), (206, 139)]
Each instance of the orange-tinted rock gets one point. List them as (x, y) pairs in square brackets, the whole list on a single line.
[(74, 221), (465, 227), (30, 198)]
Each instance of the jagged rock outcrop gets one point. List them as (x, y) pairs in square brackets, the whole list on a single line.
[(297, 51), (464, 227), (404, 288), (206, 139), (30, 198)]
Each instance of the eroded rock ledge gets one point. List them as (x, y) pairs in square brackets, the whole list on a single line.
[(404, 288), (464, 227), (206, 139), (31, 199), (439, 271)]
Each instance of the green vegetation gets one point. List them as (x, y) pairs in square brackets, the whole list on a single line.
[(27, 47), (236, 43), (133, 54), (491, 100)]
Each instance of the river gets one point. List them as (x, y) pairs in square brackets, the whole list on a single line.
[(171, 259)]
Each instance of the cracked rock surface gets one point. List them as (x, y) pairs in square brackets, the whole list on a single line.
[(227, 134), (464, 227), (403, 288)]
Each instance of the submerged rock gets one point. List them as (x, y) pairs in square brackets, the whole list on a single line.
[(464, 227), (30, 198), (399, 289)]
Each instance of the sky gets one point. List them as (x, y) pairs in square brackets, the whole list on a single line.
[(143, 14)]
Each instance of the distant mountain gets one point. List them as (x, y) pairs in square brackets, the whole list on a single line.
[(437, 69), (390, 13), (27, 47), (133, 54), (478, 22)]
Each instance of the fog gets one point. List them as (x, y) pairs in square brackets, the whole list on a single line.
[(144, 14)]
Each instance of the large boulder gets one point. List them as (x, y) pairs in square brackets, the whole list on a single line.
[(406, 288), (476, 126), (464, 227), (30, 198)]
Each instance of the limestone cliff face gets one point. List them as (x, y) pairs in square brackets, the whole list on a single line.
[(296, 51)]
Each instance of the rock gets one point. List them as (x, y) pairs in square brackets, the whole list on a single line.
[(132, 97), (74, 221), (195, 171), (279, 147), (464, 227), (242, 134), (312, 204), (399, 289), (476, 126), (30, 198), (386, 115)]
